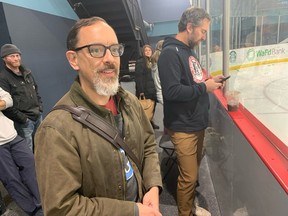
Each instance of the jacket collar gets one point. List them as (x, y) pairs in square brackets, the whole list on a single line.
[(24, 71), (80, 98)]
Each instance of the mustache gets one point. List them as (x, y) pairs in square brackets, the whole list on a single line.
[(110, 66)]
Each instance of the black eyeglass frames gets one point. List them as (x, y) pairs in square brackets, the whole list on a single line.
[(99, 50)]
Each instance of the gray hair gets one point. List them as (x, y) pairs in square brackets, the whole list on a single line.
[(192, 15)]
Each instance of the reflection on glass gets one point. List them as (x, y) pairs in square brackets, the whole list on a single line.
[(283, 30), (258, 49), (265, 32)]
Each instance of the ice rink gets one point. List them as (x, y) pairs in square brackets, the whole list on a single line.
[(264, 92)]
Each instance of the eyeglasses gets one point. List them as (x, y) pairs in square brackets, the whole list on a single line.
[(99, 50)]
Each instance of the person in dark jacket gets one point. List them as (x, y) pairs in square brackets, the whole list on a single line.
[(144, 80), (185, 88), (19, 82)]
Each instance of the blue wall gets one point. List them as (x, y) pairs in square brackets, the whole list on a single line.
[(41, 37), (54, 7), (162, 10), (164, 15)]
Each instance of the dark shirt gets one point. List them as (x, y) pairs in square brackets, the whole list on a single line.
[(186, 101), (24, 92)]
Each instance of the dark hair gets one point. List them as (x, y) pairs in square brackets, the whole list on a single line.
[(72, 37), (192, 15)]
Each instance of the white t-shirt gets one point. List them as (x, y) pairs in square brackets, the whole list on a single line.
[(7, 130)]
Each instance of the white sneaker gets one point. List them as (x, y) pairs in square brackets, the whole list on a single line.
[(199, 211), (241, 212)]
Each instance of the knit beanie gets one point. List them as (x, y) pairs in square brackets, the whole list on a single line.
[(8, 49)]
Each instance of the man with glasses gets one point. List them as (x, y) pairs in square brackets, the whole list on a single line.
[(27, 108), (79, 172), (185, 88)]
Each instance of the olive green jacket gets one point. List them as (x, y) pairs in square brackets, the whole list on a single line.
[(80, 173)]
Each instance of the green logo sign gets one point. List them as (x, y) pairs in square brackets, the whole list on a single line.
[(232, 56), (251, 55)]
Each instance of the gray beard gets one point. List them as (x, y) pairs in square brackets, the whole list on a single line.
[(108, 87)]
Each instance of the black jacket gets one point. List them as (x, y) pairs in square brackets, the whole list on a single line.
[(144, 80), (23, 89), (186, 102)]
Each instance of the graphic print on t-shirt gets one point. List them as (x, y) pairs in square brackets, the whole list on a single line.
[(198, 74), (128, 167)]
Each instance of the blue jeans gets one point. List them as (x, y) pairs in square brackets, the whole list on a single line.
[(18, 175), (28, 130)]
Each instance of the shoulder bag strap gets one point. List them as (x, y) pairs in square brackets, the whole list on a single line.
[(101, 127)]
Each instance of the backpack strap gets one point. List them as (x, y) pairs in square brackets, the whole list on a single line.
[(101, 127)]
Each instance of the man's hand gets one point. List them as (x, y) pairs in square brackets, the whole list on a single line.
[(2, 104), (147, 211), (150, 204), (211, 85), (218, 78), (151, 198)]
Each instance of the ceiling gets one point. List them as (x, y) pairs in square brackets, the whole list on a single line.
[(123, 15)]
